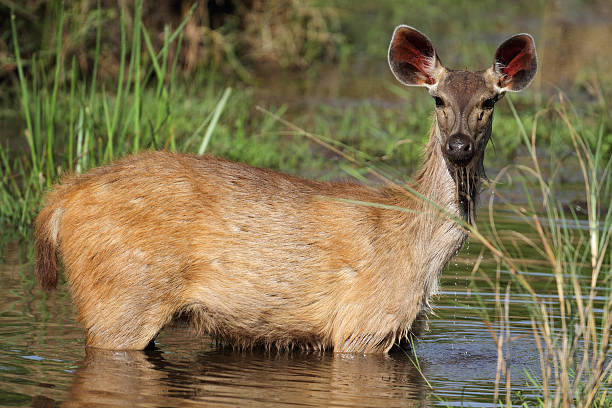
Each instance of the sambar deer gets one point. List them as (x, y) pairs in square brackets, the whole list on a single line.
[(254, 257)]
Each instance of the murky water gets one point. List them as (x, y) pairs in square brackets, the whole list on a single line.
[(43, 361)]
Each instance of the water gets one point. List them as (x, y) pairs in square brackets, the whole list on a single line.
[(43, 360)]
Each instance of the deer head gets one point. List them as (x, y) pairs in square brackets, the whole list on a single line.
[(464, 100)]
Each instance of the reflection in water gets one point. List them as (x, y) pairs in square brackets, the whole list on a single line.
[(226, 377)]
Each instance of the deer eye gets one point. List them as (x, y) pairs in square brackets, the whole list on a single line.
[(488, 103), (439, 102)]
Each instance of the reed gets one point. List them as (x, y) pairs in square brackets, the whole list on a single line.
[(573, 334)]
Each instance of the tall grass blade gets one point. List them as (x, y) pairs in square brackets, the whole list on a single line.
[(51, 112), (136, 69), (215, 118), (25, 99)]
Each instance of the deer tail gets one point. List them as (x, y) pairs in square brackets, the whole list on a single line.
[(46, 232)]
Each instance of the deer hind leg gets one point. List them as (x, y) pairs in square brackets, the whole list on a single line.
[(123, 295), (122, 322), (134, 330)]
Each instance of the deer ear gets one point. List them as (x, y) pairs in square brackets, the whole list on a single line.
[(515, 63), (412, 58)]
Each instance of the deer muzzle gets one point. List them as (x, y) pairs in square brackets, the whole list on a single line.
[(459, 149)]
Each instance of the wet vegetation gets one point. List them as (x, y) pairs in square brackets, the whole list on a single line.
[(278, 83)]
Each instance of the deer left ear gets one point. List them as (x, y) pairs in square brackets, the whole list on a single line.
[(516, 63)]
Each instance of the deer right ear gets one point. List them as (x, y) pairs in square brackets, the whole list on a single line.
[(412, 58)]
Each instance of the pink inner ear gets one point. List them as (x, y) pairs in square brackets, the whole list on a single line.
[(520, 61), (406, 52)]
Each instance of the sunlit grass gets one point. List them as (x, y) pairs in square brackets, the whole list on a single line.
[(72, 124)]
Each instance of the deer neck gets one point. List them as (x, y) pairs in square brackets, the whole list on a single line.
[(451, 189), (435, 233)]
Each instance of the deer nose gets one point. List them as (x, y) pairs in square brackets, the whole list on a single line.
[(459, 149)]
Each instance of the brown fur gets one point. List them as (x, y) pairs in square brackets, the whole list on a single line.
[(46, 264), (251, 256)]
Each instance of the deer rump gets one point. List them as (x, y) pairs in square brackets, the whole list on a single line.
[(254, 257)]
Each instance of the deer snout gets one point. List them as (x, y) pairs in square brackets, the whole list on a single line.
[(459, 149)]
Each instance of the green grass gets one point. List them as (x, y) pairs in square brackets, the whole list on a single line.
[(71, 124)]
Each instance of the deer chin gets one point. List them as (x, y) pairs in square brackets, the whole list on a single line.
[(467, 180)]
